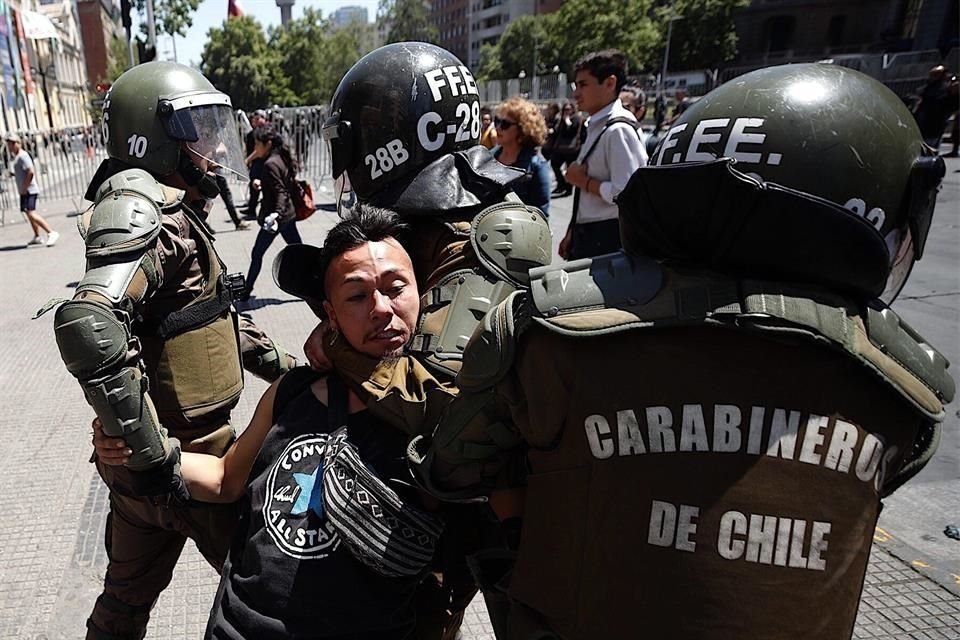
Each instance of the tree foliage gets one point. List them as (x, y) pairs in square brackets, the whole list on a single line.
[(582, 26), (239, 62), (490, 67), (409, 20), (118, 58), (299, 64), (525, 43), (705, 37), (172, 17), (315, 56)]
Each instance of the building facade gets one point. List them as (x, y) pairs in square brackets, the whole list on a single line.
[(488, 19), (347, 15), (452, 19), (61, 68), (799, 30), (99, 24)]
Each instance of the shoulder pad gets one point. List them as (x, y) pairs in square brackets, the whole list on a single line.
[(898, 340), (136, 180), (489, 354), (510, 238), (172, 198), (126, 216), (609, 281)]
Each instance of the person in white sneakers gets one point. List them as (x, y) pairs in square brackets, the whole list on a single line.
[(29, 191)]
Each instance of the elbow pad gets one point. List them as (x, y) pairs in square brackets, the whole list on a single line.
[(93, 343)]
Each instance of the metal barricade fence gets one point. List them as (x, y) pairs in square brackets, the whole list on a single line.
[(65, 160), (301, 128)]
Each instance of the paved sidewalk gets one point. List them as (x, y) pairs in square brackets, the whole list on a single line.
[(54, 505)]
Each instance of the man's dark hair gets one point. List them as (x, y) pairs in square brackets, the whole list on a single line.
[(364, 224), (603, 64)]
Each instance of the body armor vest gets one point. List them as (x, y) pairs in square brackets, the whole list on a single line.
[(192, 355), (618, 292)]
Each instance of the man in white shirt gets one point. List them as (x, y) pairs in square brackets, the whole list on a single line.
[(608, 156)]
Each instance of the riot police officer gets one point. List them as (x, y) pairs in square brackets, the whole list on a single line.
[(151, 334), (710, 417), (404, 126)]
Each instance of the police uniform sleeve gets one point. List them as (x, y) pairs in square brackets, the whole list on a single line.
[(479, 442), (262, 356), (131, 250)]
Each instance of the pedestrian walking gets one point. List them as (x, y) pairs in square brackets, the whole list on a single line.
[(227, 196), (254, 163), (935, 105), (277, 214), (26, 179)]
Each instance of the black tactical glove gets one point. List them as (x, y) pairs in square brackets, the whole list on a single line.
[(164, 480)]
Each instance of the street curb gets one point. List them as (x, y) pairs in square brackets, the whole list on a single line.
[(947, 577)]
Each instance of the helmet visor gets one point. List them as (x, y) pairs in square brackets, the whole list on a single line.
[(210, 133), (337, 134), (902, 256), (218, 139)]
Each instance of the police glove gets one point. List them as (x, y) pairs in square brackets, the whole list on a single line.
[(163, 481)]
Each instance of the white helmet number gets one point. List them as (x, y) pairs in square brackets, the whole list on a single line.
[(138, 146)]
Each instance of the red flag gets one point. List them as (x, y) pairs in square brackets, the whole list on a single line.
[(233, 9)]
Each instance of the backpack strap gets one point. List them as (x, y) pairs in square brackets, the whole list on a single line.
[(606, 125)]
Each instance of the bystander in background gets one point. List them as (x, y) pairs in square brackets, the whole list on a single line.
[(29, 190), (935, 105), (257, 119), (488, 133), (521, 131), (566, 146), (277, 215)]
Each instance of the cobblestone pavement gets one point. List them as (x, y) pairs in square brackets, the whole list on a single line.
[(54, 505)]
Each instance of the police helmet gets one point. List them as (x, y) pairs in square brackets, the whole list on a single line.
[(155, 107), (808, 172), (398, 109)]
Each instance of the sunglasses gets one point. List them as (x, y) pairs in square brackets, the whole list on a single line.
[(502, 123)]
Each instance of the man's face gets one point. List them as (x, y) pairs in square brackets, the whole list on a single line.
[(372, 297), (13, 147), (591, 94), (257, 121), (485, 120)]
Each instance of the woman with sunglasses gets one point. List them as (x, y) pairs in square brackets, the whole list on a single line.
[(521, 130)]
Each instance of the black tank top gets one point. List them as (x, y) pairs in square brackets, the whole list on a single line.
[(288, 574)]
